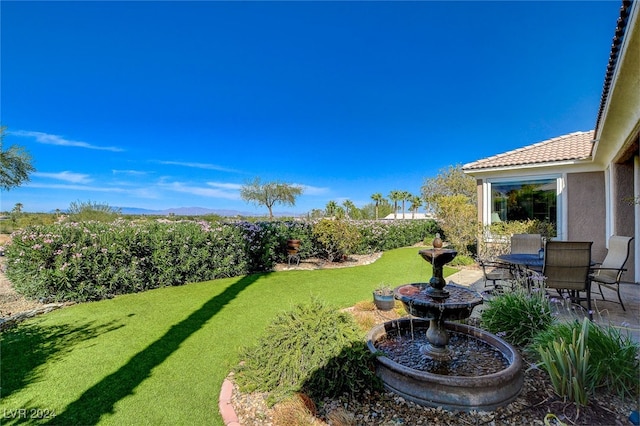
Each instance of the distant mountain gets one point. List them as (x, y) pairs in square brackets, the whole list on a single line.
[(184, 211), (194, 211)]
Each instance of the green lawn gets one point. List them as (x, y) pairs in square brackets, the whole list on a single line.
[(160, 357)]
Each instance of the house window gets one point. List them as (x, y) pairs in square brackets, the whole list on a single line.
[(525, 199)]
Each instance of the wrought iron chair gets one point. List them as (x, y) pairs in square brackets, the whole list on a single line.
[(567, 267), (609, 272), (526, 243), (496, 272)]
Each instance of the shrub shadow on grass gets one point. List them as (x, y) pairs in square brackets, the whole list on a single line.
[(101, 398), (30, 345)]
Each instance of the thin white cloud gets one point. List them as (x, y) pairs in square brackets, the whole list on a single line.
[(313, 190), (49, 139), (222, 185), (129, 172), (76, 187), (142, 192), (65, 176), (205, 166), (203, 191)]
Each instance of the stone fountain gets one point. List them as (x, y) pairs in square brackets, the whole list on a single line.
[(432, 376)]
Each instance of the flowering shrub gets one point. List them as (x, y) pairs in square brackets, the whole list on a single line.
[(93, 260)]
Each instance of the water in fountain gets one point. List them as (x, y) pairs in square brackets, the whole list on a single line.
[(469, 356)]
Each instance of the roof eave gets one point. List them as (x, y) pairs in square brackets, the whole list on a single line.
[(535, 166)]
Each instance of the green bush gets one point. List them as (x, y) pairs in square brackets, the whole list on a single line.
[(567, 362), (85, 211), (336, 238), (91, 260), (517, 316), (613, 363), (94, 260), (313, 349)]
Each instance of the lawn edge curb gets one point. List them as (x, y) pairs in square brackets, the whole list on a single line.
[(229, 416)]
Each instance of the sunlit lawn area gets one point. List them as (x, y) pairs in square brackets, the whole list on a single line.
[(160, 357)]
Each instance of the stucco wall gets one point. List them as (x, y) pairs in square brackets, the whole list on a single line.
[(586, 211), (624, 210)]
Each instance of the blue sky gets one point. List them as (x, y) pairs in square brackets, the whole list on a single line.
[(159, 105)]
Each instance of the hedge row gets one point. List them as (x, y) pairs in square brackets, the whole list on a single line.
[(95, 260)]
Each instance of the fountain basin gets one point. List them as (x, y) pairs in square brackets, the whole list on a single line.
[(453, 393), (419, 302)]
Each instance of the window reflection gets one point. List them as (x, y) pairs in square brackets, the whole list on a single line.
[(522, 200)]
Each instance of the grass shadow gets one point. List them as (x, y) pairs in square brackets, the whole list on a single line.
[(101, 398), (30, 345)]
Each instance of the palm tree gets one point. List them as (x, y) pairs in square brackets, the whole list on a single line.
[(331, 208), (377, 197), (404, 196), (18, 208), (351, 209), (416, 203), (395, 196)]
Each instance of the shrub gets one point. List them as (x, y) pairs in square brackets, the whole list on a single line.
[(311, 348), (84, 211), (336, 238), (567, 362), (613, 362), (93, 260), (517, 316), (377, 235)]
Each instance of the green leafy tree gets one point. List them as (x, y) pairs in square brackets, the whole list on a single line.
[(452, 196), (15, 164), (270, 193), (395, 196), (458, 221), (377, 199), (449, 181)]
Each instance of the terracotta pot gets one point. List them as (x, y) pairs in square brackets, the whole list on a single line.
[(293, 244)]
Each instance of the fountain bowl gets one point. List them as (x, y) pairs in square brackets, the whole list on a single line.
[(453, 393), (419, 302)]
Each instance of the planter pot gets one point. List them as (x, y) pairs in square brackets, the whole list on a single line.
[(293, 244), (384, 302)]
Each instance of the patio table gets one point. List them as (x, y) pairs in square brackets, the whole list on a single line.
[(529, 261)]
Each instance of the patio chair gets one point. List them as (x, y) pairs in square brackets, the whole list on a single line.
[(495, 272), (526, 243), (609, 272), (567, 266)]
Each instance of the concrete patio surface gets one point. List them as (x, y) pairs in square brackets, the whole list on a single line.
[(605, 312)]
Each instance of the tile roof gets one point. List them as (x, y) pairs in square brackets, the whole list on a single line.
[(618, 37), (571, 147)]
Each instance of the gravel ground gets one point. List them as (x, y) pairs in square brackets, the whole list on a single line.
[(11, 303)]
